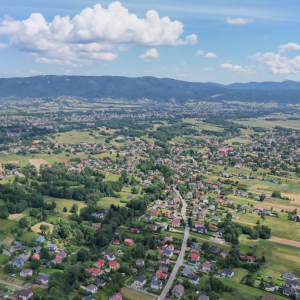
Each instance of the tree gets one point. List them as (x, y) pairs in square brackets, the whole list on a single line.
[(276, 194), (82, 255), (44, 253), (65, 209), (9, 268), (44, 228), (74, 208), (23, 223)]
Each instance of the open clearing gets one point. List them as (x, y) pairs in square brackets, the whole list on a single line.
[(285, 241), (36, 227), (37, 162), (134, 295), (7, 241), (14, 216)]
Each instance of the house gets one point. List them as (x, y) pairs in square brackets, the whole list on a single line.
[(16, 246), (61, 254), (227, 273), (219, 233), (36, 256), (116, 296), (110, 256), (288, 276), (138, 218), (194, 279), (214, 249), (148, 217), (135, 230), (164, 261), (224, 253), (291, 283), (203, 297), (157, 285), (40, 239), (195, 256), (95, 271), (175, 224), (245, 194), (212, 207), (37, 249), (128, 242), (195, 248), (151, 227), (42, 279), (288, 291), (178, 290), (26, 272), (140, 262), (114, 265), (24, 294), (88, 297), (18, 263), (163, 269), (51, 247), (57, 260), (242, 210), (100, 282), (139, 282), (92, 289), (202, 229), (168, 253), (216, 219), (206, 267), (161, 274), (186, 272), (168, 237), (99, 263)]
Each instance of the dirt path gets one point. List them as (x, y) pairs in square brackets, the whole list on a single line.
[(285, 241)]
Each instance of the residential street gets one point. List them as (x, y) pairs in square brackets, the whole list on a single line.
[(179, 262)]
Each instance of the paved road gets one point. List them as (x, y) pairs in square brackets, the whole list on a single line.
[(179, 262)]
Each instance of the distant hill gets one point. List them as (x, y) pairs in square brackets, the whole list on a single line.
[(148, 87)]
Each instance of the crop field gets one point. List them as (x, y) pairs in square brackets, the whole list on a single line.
[(37, 162)]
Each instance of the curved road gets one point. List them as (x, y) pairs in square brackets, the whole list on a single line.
[(179, 262)]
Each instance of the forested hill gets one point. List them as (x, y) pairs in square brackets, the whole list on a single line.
[(142, 87)]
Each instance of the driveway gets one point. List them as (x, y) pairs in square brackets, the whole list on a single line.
[(180, 259)]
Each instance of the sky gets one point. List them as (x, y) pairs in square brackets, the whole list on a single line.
[(221, 41)]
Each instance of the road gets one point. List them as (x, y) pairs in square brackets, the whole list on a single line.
[(179, 262), (11, 284)]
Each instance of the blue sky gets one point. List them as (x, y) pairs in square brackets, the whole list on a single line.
[(194, 40)]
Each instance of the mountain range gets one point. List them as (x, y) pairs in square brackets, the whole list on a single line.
[(156, 89)]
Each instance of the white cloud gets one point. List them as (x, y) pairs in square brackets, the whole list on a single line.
[(182, 75), (239, 21), (97, 31), (35, 72), (210, 55), (289, 47), (149, 55), (247, 70), (199, 52), (2, 46), (208, 69), (278, 64)]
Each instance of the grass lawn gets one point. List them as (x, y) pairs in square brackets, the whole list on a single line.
[(134, 295), (61, 203), (50, 271), (2, 257)]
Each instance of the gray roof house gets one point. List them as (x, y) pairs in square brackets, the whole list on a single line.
[(178, 290), (18, 263)]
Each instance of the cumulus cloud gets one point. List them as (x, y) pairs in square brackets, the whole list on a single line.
[(92, 35), (149, 55), (289, 47), (199, 52), (210, 55), (278, 64), (2, 46), (208, 69), (239, 21), (247, 70)]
